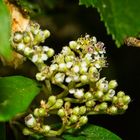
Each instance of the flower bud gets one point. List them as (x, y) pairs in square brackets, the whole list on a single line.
[(83, 78), (46, 128), (73, 45), (115, 100), (62, 67), (42, 112), (88, 96), (83, 70), (59, 77), (40, 77), (75, 110), (50, 52), (124, 107), (112, 84), (126, 99), (113, 110), (17, 37), (83, 120), (20, 47), (79, 93), (103, 106), (26, 132), (90, 103), (58, 104), (51, 101), (73, 118), (26, 39), (82, 110), (120, 94), (61, 112), (46, 33), (28, 51), (67, 105), (75, 69), (30, 121), (98, 94)]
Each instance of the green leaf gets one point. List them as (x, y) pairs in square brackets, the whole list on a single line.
[(2, 131), (16, 94), (92, 132), (121, 17), (5, 29)]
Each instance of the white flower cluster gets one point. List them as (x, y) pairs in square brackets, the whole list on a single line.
[(27, 43), (81, 61)]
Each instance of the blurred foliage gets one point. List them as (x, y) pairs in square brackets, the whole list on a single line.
[(90, 132), (17, 92), (121, 18), (5, 28)]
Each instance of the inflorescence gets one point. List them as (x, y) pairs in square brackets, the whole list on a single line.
[(76, 70)]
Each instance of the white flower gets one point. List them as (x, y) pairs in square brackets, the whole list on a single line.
[(68, 79), (66, 50), (28, 51), (73, 44), (21, 47), (76, 78), (76, 68), (44, 57), (62, 67), (72, 91), (111, 93), (79, 93), (69, 64), (45, 48), (35, 58), (84, 78), (88, 56), (59, 77), (53, 67), (30, 121)]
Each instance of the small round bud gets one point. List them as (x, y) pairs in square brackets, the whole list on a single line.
[(46, 33), (88, 96), (76, 69), (102, 85), (58, 104), (98, 94), (115, 100), (82, 110), (26, 39), (69, 58), (44, 57), (61, 112), (103, 106), (112, 84), (83, 120), (42, 112), (90, 103), (46, 128), (50, 52), (53, 67), (20, 47), (62, 67), (51, 101), (83, 70), (120, 94), (93, 70), (126, 99), (111, 93), (83, 78), (125, 107), (40, 77), (73, 45), (30, 121), (73, 118), (75, 110), (68, 79), (113, 110), (67, 105), (28, 51), (26, 132), (17, 37), (36, 112), (35, 58)]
